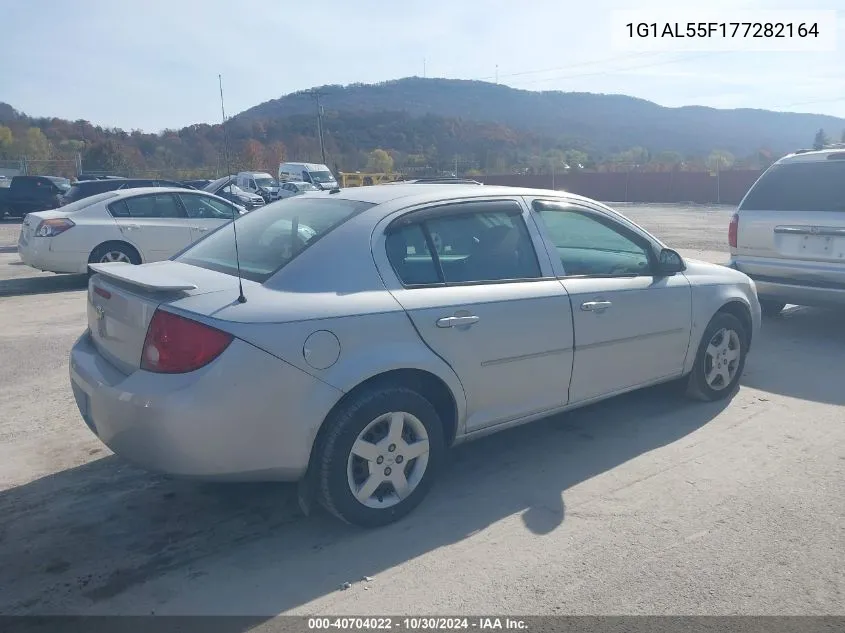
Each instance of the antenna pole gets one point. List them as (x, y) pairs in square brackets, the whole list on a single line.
[(320, 125), (241, 297)]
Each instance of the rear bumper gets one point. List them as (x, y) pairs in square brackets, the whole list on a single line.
[(795, 290), (37, 254), (246, 416)]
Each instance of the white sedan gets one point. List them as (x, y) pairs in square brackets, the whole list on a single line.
[(134, 226)]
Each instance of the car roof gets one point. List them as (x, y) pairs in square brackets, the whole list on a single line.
[(813, 156), (412, 194), (139, 191)]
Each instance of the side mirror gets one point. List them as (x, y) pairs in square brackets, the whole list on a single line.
[(669, 263)]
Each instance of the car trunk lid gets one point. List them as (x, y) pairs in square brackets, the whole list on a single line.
[(122, 299)]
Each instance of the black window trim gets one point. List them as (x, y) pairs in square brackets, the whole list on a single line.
[(601, 218), (153, 193), (197, 192), (440, 209)]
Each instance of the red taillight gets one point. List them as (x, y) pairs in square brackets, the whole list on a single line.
[(733, 228), (176, 345)]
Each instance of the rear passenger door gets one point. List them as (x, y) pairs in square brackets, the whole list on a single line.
[(470, 278), (156, 224)]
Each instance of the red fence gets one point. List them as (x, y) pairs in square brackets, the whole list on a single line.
[(727, 187)]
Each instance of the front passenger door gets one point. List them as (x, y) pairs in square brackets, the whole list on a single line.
[(206, 214), (632, 328)]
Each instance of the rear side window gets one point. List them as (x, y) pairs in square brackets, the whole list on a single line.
[(271, 237), (472, 242), (816, 186), (150, 206)]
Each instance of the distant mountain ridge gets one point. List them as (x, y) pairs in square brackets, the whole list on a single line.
[(604, 123)]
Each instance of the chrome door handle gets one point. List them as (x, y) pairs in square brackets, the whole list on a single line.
[(594, 306), (201, 229), (131, 227), (455, 321)]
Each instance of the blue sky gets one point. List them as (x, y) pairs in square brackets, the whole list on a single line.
[(151, 64)]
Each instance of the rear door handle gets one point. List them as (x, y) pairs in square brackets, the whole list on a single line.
[(201, 229), (131, 227), (455, 321), (595, 306)]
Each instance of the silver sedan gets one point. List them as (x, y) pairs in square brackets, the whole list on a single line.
[(354, 336)]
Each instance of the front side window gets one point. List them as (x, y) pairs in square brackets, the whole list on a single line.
[(589, 245), (464, 243), (272, 236), (205, 208)]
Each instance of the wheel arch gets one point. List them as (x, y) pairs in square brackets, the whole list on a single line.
[(122, 243), (741, 311), (424, 382)]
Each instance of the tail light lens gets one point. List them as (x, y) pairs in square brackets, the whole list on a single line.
[(176, 345), (53, 227), (733, 228)]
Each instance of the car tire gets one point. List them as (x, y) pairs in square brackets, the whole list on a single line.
[(729, 340), (113, 252), (367, 419), (771, 307)]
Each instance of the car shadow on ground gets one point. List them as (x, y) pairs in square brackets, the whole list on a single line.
[(800, 354), (84, 536), (46, 284)]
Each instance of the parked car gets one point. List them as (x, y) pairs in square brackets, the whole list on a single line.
[(85, 188), (259, 183), (226, 188), (318, 175), (31, 193), (788, 233), (435, 181), (294, 188), (133, 226), (197, 184), (361, 348)]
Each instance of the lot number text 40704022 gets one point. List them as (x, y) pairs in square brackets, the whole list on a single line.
[(712, 30)]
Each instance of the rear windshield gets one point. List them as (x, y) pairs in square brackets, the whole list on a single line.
[(84, 203), (815, 186), (271, 236)]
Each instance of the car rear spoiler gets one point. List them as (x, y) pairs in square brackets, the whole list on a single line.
[(146, 277)]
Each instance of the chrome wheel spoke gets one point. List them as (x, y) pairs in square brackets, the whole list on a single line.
[(365, 450), (400, 483), (369, 487), (415, 449), (397, 425)]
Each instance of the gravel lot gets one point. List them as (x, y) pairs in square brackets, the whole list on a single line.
[(646, 504)]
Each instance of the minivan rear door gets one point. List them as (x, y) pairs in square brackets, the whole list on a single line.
[(794, 217)]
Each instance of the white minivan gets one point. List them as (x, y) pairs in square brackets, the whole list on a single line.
[(259, 183), (318, 175)]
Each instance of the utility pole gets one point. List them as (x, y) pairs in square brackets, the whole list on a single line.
[(423, 67), (497, 73), (456, 165), (316, 94)]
